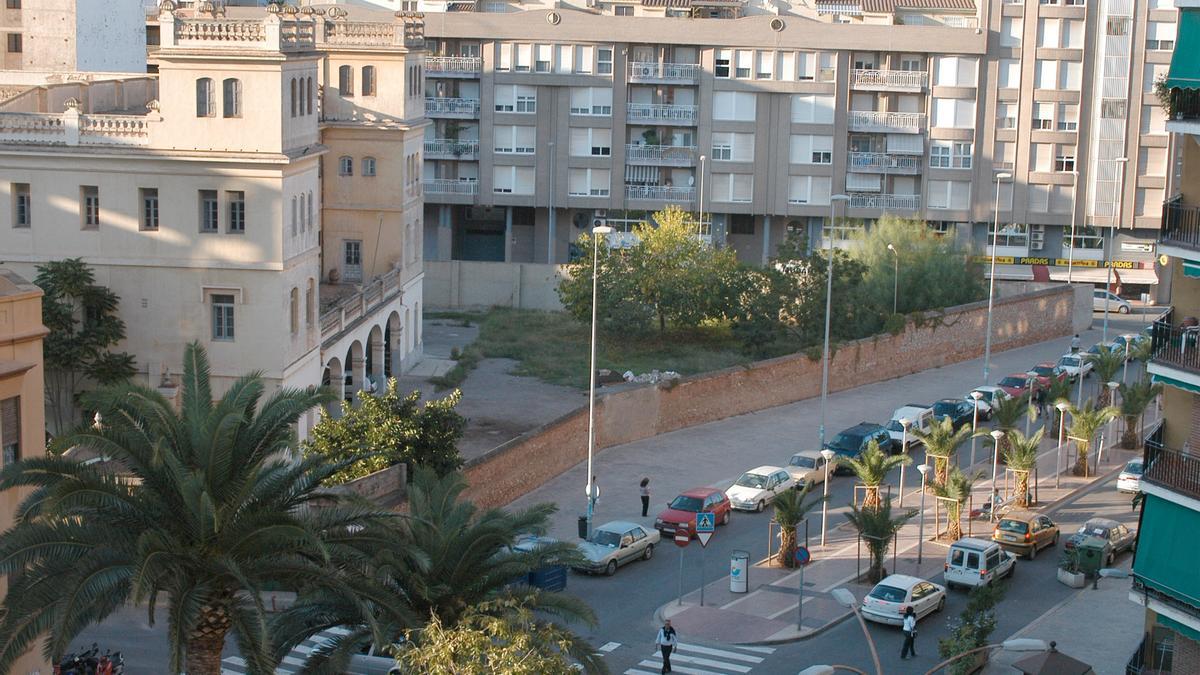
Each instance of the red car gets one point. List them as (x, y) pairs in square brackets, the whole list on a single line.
[(1046, 372), (681, 512), (1015, 384)]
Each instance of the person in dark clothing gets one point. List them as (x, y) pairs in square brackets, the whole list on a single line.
[(666, 642), (645, 488), (910, 634)]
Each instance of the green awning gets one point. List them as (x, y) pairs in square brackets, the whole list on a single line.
[(1183, 629), (1191, 269), (1185, 62), (1172, 382), (1166, 561)]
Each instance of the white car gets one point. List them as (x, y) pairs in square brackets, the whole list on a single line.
[(977, 562), (1115, 303), (1074, 365), (1130, 478), (919, 417), (887, 602), (756, 488), (807, 468), (992, 396)]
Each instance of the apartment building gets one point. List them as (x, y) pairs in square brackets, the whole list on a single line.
[(1164, 569), (73, 35), (22, 412), (549, 117), (260, 194)]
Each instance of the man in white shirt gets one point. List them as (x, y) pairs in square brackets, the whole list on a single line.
[(666, 642)]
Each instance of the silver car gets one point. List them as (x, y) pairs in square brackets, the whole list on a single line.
[(614, 544)]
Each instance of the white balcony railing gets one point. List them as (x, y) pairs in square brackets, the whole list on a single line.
[(866, 120), (75, 128), (665, 193), (443, 66), (661, 113), (451, 186), (885, 202), (950, 21), (450, 148), (347, 312), (907, 80), (651, 71), (881, 162), (661, 155), (459, 108)]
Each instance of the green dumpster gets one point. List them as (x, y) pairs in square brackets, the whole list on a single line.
[(1091, 555)]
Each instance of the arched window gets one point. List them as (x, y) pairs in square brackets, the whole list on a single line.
[(294, 219), (301, 213), (368, 80), (204, 97), (295, 311), (308, 96), (231, 90), (345, 166), (310, 303), (368, 166), (346, 81), (311, 217), (295, 97)]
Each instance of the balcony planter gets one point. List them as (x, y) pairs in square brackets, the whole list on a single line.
[(1072, 579)]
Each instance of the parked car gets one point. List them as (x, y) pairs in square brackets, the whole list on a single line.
[(1025, 533), (546, 577), (1133, 340), (976, 562), (1115, 303), (959, 412), (1047, 372), (806, 468), (614, 544), (992, 396), (681, 512), (919, 417), (851, 442), (887, 602), (756, 488), (1130, 478), (1075, 365), (1117, 538), (1015, 384)]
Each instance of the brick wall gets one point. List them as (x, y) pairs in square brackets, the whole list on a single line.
[(526, 462)]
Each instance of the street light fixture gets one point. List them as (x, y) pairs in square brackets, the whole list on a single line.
[(1125, 368), (987, 343), (996, 436), (597, 234), (846, 599), (1121, 161), (905, 423), (924, 469), (828, 309), (700, 201), (895, 280), (1031, 383), (975, 396), (1062, 427), (828, 455)]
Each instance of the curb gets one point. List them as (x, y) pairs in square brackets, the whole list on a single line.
[(659, 617)]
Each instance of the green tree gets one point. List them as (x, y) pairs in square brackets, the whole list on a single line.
[(956, 490), (1007, 415), (790, 510), (1135, 398), (872, 467), (1021, 456), (497, 637), (1142, 350), (1059, 390), (1085, 422), (210, 507), (877, 528), (619, 309), (799, 287), (84, 327), (1106, 363), (972, 628), (389, 429), (941, 442)]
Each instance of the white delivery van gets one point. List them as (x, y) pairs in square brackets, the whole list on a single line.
[(974, 562)]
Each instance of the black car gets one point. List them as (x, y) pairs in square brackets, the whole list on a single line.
[(958, 410), (852, 442)]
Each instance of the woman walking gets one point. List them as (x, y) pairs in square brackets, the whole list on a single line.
[(910, 634), (645, 491)]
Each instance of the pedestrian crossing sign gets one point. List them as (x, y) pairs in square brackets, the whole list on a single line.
[(705, 522)]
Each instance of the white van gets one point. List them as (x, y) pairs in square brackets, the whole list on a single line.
[(974, 562), (920, 416)]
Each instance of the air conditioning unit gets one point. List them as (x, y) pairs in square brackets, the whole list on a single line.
[(646, 71), (1037, 237)]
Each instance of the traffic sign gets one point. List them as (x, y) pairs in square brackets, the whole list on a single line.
[(803, 556), (705, 522), (704, 537), (682, 538)]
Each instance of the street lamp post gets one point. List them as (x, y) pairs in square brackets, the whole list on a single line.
[(996, 436), (700, 201), (828, 309), (1071, 250), (975, 396), (597, 234), (1030, 383), (895, 280), (905, 423), (551, 221), (828, 455), (846, 599), (1062, 427), (1079, 397), (1125, 368), (924, 469), (1113, 388), (987, 342), (1121, 162)]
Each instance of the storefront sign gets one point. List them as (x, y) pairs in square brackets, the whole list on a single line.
[(1062, 262)]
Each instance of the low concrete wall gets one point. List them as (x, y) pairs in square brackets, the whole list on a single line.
[(938, 339), (459, 284), (387, 487)]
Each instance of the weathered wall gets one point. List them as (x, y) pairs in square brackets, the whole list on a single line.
[(456, 284), (385, 488), (524, 463)]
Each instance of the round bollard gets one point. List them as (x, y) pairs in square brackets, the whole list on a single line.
[(739, 571)]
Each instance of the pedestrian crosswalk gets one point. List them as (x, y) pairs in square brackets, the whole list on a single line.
[(694, 659), (294, 661)]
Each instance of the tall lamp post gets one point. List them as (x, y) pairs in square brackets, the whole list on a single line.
[(1125, 368), (1121, 162), (551, 222), (700, 201), (895, 280), (597, 234), (905, 423), (996, 436), (846, 599), (828, 455), (975, 396), (924, 469), (1071, 250), (828, 309), (987, 342), (1062, 428)]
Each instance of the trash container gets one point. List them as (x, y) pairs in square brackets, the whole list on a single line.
[(583, 527), (1091, 555), (739, 571)]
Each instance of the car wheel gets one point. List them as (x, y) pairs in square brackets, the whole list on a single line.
[(1054, 542), (1032, 551), (1011, 571), (1109, 560), (725, 520), (941, 604), (611, 569), (758, 508), (649, 552), (1122, 310)]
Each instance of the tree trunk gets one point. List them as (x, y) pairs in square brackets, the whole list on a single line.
[(1129, 440), (941, 470), (1102, 400), (878, 553), (207, 640), (953, 524), (787, 546), (871, 498), (1022, 489), (662, 321), (1081, 459)]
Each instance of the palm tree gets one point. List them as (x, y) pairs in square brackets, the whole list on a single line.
[(941, 441), (1007, 415), (957, 489), (1059, 390), (1085, 422), (1142, 350), (878, 527), (207, 507), (872, 468), (1106, 363), (1021, 456), (1135, 398), (791, 510)]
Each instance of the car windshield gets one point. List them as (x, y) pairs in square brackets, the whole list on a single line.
[(803, 462), (945, 408), (848, 441), (1094, 530), (1134, 466), (686, 503), (606, 538), (1072, 361), (1013, 381), (895, 425), (1013, 526), (752, 480), (1044, 371), (888, 593)]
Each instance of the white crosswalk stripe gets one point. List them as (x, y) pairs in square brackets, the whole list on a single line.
[(292, 663), (693, 659)]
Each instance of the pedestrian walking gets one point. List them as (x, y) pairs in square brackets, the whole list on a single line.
[(910, 634), (666, 642), (1040, 397), (1075, 344), (645, 484)]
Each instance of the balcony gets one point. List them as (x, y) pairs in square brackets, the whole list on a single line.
[(882, 162), (889, 80), (886, 122), (1175, 346), (884, 202), (661, 193), (449, 148), (950, 21), (1172, 469), (661, 113), (1180, 225), (452, 108), (451, 186), (453, 66), (666, 73), (350, 310), (1183, 111), (661, 155)]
